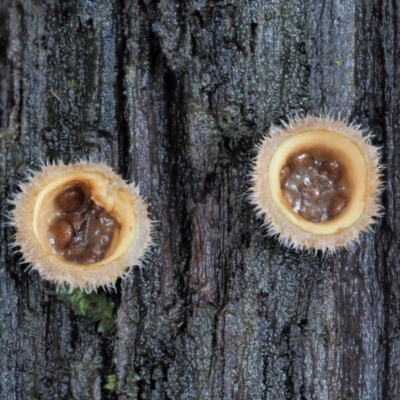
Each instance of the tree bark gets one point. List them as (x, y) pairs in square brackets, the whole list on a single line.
[(176, 96)]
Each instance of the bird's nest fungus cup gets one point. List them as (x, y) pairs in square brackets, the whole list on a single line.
[(317, 182), (81, 225)]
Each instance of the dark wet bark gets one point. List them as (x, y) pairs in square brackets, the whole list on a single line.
[(175, 96)]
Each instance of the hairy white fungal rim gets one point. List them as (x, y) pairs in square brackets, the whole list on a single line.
[(360, 161), (34, 209)]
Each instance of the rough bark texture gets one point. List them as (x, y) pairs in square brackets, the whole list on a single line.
[(175, 96)]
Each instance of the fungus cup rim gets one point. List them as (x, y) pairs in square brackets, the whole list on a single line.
[(110, 191), (361, 163)]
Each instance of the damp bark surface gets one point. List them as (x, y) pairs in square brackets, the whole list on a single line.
[(176, 96)]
